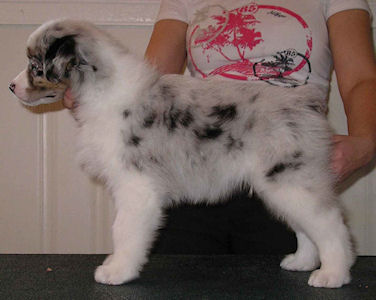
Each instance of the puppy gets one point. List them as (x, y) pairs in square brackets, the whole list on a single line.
[(157, 140)]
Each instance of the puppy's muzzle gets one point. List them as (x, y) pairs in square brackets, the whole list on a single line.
[(31, 95)]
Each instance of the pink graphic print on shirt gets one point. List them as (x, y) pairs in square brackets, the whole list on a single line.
[(219, 32)]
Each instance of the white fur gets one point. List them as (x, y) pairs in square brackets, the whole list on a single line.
[(159, 140)]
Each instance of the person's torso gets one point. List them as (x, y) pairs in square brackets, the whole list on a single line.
[(283, 42)]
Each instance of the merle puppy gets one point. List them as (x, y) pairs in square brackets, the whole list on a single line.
[(157, 140)]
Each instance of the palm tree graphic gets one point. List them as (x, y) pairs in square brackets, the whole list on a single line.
[(233, 28)]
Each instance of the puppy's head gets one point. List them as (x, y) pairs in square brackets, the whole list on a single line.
[(55, 55)]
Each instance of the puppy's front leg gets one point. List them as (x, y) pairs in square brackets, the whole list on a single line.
[(138, 215)]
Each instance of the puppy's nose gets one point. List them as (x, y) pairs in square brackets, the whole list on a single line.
[(12, 87)]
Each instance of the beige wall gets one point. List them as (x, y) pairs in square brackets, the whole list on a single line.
[(47, 205)]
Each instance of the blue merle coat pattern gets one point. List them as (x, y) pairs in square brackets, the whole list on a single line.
[(157, 140)]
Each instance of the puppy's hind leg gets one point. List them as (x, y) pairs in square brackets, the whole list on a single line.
[(306, 257), (138, 216), (317, 216)]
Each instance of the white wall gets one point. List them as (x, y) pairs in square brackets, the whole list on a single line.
[(47, 205)]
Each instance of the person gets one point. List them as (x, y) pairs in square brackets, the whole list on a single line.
[(280, 42)]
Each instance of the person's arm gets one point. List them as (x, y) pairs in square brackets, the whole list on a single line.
[(355, 67), (167, 49)]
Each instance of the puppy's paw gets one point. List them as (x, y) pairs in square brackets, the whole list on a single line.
[(113, 274), (293, 262), (328, 279)]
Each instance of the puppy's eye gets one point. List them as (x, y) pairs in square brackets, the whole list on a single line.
[(36, 68)]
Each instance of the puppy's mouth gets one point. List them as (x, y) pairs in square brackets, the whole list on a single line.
[(44, 100)]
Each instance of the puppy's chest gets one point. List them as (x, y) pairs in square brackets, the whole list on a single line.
[(115, 143), (99, 145)]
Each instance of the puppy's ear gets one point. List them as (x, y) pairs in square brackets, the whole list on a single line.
[(60, 58)]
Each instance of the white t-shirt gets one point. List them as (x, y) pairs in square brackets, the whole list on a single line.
[(282, 42)]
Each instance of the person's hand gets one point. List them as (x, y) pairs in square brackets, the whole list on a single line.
[(68, 100), (349, 154)]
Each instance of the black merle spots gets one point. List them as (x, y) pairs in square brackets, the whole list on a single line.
[(65, 49), (276, 169), (221, 115), (208, 133), (149, 120), (282, 167), (167, 92), (126, 113), (175, 117), (51, 75), (170, 118), (64, 46), (294, 163), (234, 144), (224, 113), (186, 118), (134, 140)]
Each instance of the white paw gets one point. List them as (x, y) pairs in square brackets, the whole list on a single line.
[(114, 274), (293, 262), (328, 279)]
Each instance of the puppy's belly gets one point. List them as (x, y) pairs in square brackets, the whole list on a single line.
[(205, 185)]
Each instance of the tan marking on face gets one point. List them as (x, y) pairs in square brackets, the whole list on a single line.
[(43, 84)]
